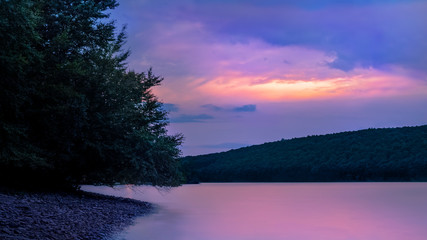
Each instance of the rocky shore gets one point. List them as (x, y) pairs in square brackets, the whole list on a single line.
[(78, 215)]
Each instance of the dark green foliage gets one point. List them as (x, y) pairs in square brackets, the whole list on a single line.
[(18, 59), (70, 111), (394, 154)]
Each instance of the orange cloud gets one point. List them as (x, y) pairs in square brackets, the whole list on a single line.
[(359, 83)]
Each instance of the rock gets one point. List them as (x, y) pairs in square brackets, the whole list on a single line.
[(6, 230)]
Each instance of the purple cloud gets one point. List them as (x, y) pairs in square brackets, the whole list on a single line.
[(212, 107), (187, 118), (361, 33), (170, 107), (245, 108)]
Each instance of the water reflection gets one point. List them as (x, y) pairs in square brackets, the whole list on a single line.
[(296, 211)]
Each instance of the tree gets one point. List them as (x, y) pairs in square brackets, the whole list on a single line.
[(18, 60), (84, 116)]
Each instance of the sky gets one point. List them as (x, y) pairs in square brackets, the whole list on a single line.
[(238, 73)]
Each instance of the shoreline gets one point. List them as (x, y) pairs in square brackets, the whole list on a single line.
[(66, 215)]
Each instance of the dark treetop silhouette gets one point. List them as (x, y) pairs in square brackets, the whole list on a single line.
[(70, 111)]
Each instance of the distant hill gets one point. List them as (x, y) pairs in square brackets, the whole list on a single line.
[(389, 154)]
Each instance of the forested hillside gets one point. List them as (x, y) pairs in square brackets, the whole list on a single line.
[(391, 154)]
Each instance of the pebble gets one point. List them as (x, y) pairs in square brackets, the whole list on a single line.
[(78, 215)]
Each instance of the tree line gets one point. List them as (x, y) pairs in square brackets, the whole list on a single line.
[(70, 110), (390, 154)]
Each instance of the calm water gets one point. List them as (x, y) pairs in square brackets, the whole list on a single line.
[(290, 211)]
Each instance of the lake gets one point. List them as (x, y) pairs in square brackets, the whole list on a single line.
[(273, 211)]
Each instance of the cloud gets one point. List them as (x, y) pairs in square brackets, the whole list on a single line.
[(361, 83), (169, 107), (222, 51), (360, 33), (212, 107), (245, 108), (372, 34), (186, 118)]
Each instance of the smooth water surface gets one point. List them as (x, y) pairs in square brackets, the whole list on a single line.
[(285, 211)]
